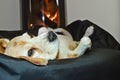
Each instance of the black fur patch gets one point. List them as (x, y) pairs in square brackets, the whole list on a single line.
[(59, 33)]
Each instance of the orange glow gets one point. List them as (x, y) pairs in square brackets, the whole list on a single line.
[(51, 11), (48, 15), (31, 25), (54, 17)]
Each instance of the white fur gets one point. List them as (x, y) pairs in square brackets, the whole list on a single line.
[(89, 31), (61, 48)]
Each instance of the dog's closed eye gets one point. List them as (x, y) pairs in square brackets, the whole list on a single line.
[(30, 52)]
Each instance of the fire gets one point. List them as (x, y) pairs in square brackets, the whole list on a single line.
[(52, 18), (51, 11)]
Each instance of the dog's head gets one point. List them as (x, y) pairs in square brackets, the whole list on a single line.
[(36, 49)]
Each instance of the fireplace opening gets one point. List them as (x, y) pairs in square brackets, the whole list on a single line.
[(48, 13)]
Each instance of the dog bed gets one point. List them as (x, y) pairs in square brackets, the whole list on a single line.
[(102, 62)]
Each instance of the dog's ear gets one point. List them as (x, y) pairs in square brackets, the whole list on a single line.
[(36, 61), (3, 44), (1, 50)]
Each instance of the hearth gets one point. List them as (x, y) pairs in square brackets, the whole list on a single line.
[(36, 13)]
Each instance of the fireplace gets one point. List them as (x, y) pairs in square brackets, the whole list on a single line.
[(36, 13)]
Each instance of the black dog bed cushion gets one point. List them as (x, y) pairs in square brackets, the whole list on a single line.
[(101, 63)]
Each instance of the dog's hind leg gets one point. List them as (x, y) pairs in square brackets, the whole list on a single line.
[(84, 44)]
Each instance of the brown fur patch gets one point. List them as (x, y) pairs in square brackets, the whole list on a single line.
[(3, 42), (21, 43), (37, 61), (3, 45), (1, 49), (72, 55), (72, 47), (57, 56), (38, 50)]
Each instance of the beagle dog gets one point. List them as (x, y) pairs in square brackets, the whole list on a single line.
[(49, 44)]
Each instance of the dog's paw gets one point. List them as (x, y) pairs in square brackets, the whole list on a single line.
[(86, 42), (89, 31)]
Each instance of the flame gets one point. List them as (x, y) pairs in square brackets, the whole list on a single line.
[(52, 18), (48, 15), (51, 12)]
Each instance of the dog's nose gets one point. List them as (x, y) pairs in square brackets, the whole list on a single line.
[(51, 36)]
